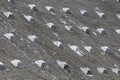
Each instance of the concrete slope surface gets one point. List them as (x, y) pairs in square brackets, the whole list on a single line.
[(59, 40)]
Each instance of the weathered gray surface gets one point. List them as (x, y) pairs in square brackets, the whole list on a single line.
[(28, 52)]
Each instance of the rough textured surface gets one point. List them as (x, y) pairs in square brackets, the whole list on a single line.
[(27, 51)]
